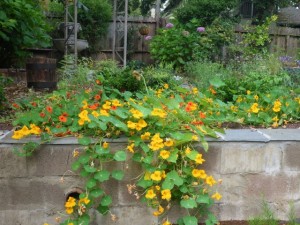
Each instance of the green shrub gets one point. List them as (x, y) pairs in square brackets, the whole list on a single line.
[(22, 25), (3, 82), (206, 11)]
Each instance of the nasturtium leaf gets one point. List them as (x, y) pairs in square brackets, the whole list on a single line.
[(106, 200), (91, 183), (216, 82), (117, 174), (101, 151), (92, 125), (190, 220), (192, 155), (96, 193), (84, 219), (188, 203), (203, 199), (204, 145), (102, 209), (142, 109), (173, 175), (84, 173), (120, 156), (45, 137), (183, 189), (145, 147), (118, 123), (168, 184), (102, 175), (89, 168), (148, 159), (84, 159), (137, 157), (173, 156), (211, 220), (102, 125), (75, 165), (144, 183), (120, 112), (84, 141)]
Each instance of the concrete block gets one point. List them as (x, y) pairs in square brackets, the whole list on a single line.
[(213, 158), (245, 135), (291, 156), (23, 217), (31, 194), (251, 158), (11, 165), (50, 160), (270, 188), (128, 215), (125, 198)]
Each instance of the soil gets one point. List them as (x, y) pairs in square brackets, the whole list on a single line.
[(20, 90)]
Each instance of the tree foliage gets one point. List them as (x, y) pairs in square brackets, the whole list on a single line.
[(205, 11), (22, 25)]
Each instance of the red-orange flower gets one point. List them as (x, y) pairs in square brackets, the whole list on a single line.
[(98, 82), (62, 118), (42, 114), (65, 114), (202, 115), (97, 97), (113, 107), (15, 105), (33, 104), (212, 90), (93, 107), (49, 109)]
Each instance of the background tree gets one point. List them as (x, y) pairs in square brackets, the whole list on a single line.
[(22, 26)]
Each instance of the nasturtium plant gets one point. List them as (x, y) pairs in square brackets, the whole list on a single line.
[(161, 126)]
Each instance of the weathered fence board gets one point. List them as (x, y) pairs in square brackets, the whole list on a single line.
[(285, 40)]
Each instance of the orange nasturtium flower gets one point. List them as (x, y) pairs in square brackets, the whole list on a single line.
[(97, 97), (62, 118), (49, 109), (42, 114)]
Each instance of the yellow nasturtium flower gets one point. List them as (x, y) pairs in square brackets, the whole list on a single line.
[(156, 176), (150, 194), (166, 194), (216, 196)]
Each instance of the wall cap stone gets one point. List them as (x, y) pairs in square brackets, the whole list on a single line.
[(230, 135)]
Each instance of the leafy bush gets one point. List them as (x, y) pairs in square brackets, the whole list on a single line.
[(3, 82), (174, 45), (205, 11), (22, 25)]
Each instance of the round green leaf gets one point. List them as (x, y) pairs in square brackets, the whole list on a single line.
[(75, 165), (91, 183), (120, 156), (106, 200), (96, 193), (84, 141), (102, 175), (117, 174), (190, 220), (188, 203), (89, 168)]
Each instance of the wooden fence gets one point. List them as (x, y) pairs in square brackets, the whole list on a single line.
[(285, 40), (137, 46)]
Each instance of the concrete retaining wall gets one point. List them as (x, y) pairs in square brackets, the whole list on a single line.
[(253, 164)]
